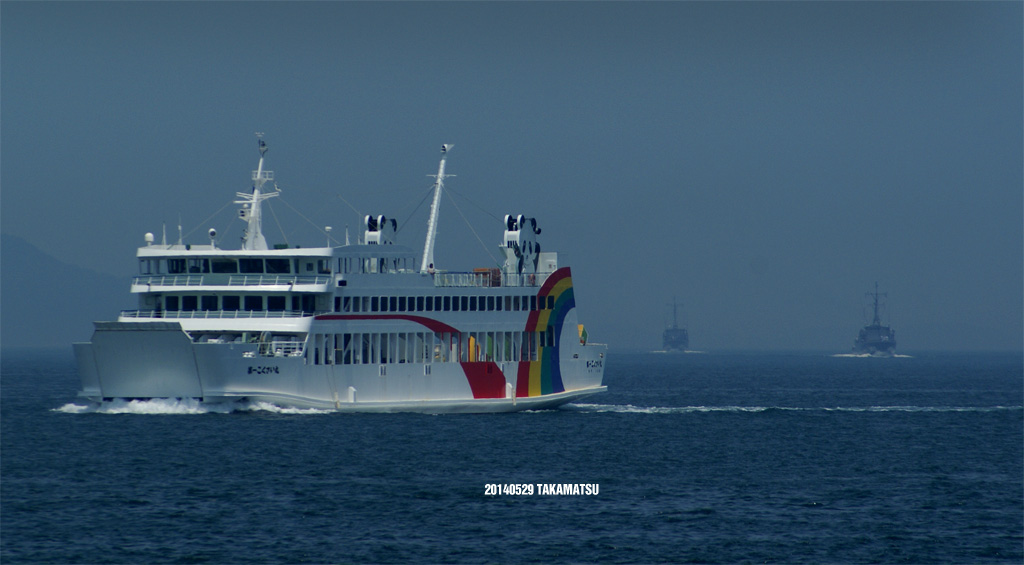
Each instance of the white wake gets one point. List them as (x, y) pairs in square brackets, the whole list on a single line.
[(630, 409), (870, 356), (180, 406)]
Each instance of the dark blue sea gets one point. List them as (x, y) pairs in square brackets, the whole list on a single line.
[(706, 458)]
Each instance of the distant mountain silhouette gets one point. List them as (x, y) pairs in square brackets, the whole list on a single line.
[(47, 303)]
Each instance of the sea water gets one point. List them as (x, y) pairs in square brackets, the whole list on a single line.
[(717, 458)]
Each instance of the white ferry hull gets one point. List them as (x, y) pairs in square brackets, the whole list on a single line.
[(147, 360)]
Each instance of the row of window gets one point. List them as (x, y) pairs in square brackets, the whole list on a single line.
[(230, 265), (307, 303), (427, 347), (442, 303), (230, 303), (356, 304), (274, 265)]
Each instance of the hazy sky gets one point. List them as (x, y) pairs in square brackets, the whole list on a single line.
[(765, 162)]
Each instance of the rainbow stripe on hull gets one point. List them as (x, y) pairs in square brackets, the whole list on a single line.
[(544, 376)]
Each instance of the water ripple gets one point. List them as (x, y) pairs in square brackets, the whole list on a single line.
[(631, 409)]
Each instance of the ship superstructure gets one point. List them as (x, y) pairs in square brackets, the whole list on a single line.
[(875, 339), (363, 327)]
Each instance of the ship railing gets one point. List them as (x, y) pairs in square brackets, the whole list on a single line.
[(169, 280), (275, 280), (524, 279), (488, 278), (461, 279), (231, 280), (214, 314)]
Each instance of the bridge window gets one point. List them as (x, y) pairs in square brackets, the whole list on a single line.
[(250, 265), (278, 266), (189, 302), (209, 302), (224, 266), (171, 303), (176, 266), (198, 266)]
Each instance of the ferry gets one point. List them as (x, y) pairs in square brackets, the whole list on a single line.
[(372, 326)]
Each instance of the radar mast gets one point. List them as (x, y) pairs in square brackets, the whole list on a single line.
[(876, 321), (250, 212), (427, 264)]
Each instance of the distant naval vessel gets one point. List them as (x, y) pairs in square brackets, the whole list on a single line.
[(875, 339), (675, 339)]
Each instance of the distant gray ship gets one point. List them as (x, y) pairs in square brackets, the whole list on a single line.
[(675, 338), (875, 339)]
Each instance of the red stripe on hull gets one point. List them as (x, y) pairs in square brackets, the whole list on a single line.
[(523, 380), (485, 379), (429, 323)]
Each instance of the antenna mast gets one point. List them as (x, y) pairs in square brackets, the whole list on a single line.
[(876, 321), (250, 212), (427, 264)]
